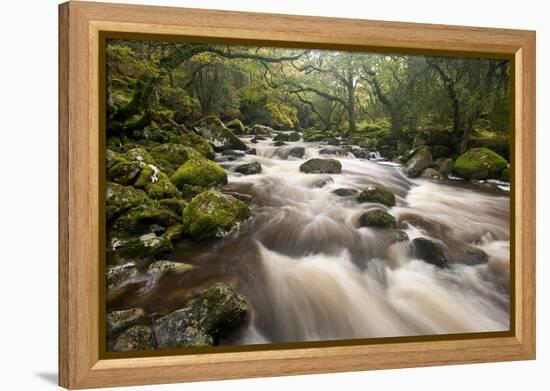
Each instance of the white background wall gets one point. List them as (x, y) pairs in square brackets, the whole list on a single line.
[(28, 192)]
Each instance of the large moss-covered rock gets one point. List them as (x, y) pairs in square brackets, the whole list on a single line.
[(428, 251), (377, 218), (125, 168), (321, 166), (376, 194), (421, 160), (249, 168), (213, 214), (217, 313), (199, 143), (155, 183), (119, 320), (121, 198), (217, 134), (143, 219), (170, 157), (135, 338), (479, 163), (141, 250), (124, 172), (199, 172), (236, 126)]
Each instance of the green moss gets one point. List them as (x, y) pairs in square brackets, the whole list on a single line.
[(376, 194), (170, 157), (377, 218), (428, 251), (199, 143), (479, 163), (156, 184), (141, 249), (139, 219), (212, 214), (123, 172), (199, 172), (236, 126), (121, 198)]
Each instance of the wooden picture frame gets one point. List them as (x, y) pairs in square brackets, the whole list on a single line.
[(80, 164)]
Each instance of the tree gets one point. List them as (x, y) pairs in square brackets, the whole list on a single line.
[(469, 84)]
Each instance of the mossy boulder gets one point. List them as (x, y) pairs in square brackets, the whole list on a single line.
[(199, 143), (124, 172), (479, 163), (121, 198), (125, 168), (377, 195), (217, 313), (428, 251), (199, 172), (170, 157), (141, 250), (249, 168), (421, 160), (212, 214), (321, 166), (143, 219), (236, 126), (135, 338), (218, 135), (377, 218), (119, 320), (155, 183)]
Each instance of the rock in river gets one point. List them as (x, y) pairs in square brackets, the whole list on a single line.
[(119, 320), (479, 163), (249, 168), (428, 251), (420, 161), (377, 218), (376, 194), (135, 338), (214, 315), (321, 166)]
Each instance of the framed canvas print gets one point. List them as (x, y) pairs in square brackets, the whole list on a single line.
[(248, 195)]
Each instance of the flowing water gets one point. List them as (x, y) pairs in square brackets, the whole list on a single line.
[(310, 273)]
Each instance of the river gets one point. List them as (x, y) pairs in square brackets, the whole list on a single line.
[(310, 273)]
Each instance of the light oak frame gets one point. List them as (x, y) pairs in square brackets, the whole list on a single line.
[(80, 24)]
